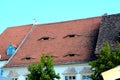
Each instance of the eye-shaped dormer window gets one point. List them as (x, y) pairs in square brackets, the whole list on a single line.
[(45, 38), (27, 58), (71, 35), (71, 55)]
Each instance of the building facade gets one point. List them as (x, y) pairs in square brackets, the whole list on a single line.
[(66, 71)]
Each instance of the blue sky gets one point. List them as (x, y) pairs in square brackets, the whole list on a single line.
[(21, 12)]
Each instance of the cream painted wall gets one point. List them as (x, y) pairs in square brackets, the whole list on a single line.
[(58, 69), (112, 74)]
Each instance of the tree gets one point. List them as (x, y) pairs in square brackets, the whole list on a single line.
[(108, 58), (44, 70)]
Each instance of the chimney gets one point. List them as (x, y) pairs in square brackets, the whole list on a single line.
[(105, 14)]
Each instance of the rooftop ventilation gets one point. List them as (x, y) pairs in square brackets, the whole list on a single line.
[(27, 58), (45, 38), (71, 55), (71, 35)]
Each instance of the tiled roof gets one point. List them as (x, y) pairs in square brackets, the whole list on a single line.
[(109, 31), (12, 35), (71, 41)]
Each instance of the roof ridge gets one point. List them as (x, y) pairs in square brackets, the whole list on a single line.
[(25, 25), (59, 22)]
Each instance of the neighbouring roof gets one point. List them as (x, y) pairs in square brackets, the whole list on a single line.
[(109, 31), (14, 36), (66, 42)]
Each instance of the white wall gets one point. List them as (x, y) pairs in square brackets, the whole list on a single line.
[(2, 63), (112, 74), (58, 69)]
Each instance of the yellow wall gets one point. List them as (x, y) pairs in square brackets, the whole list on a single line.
[(112, 74)]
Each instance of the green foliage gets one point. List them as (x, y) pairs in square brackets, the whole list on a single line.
[(44, 70), (108, 58)]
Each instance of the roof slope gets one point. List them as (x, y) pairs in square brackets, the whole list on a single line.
[(66, 42), (12, 35), (109, 31)]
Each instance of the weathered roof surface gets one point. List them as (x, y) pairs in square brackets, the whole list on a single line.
[(12, 35), (66, 42), (109, 31)]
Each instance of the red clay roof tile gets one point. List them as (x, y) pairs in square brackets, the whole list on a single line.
[(59, 44)]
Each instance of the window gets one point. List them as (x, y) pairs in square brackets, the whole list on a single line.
[(10, 50), (70, 77), (14, 78), (86, 77), (70, 73)]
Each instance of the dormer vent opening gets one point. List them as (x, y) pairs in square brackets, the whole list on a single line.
[(45, 38), (27, 58), (71, 36)]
